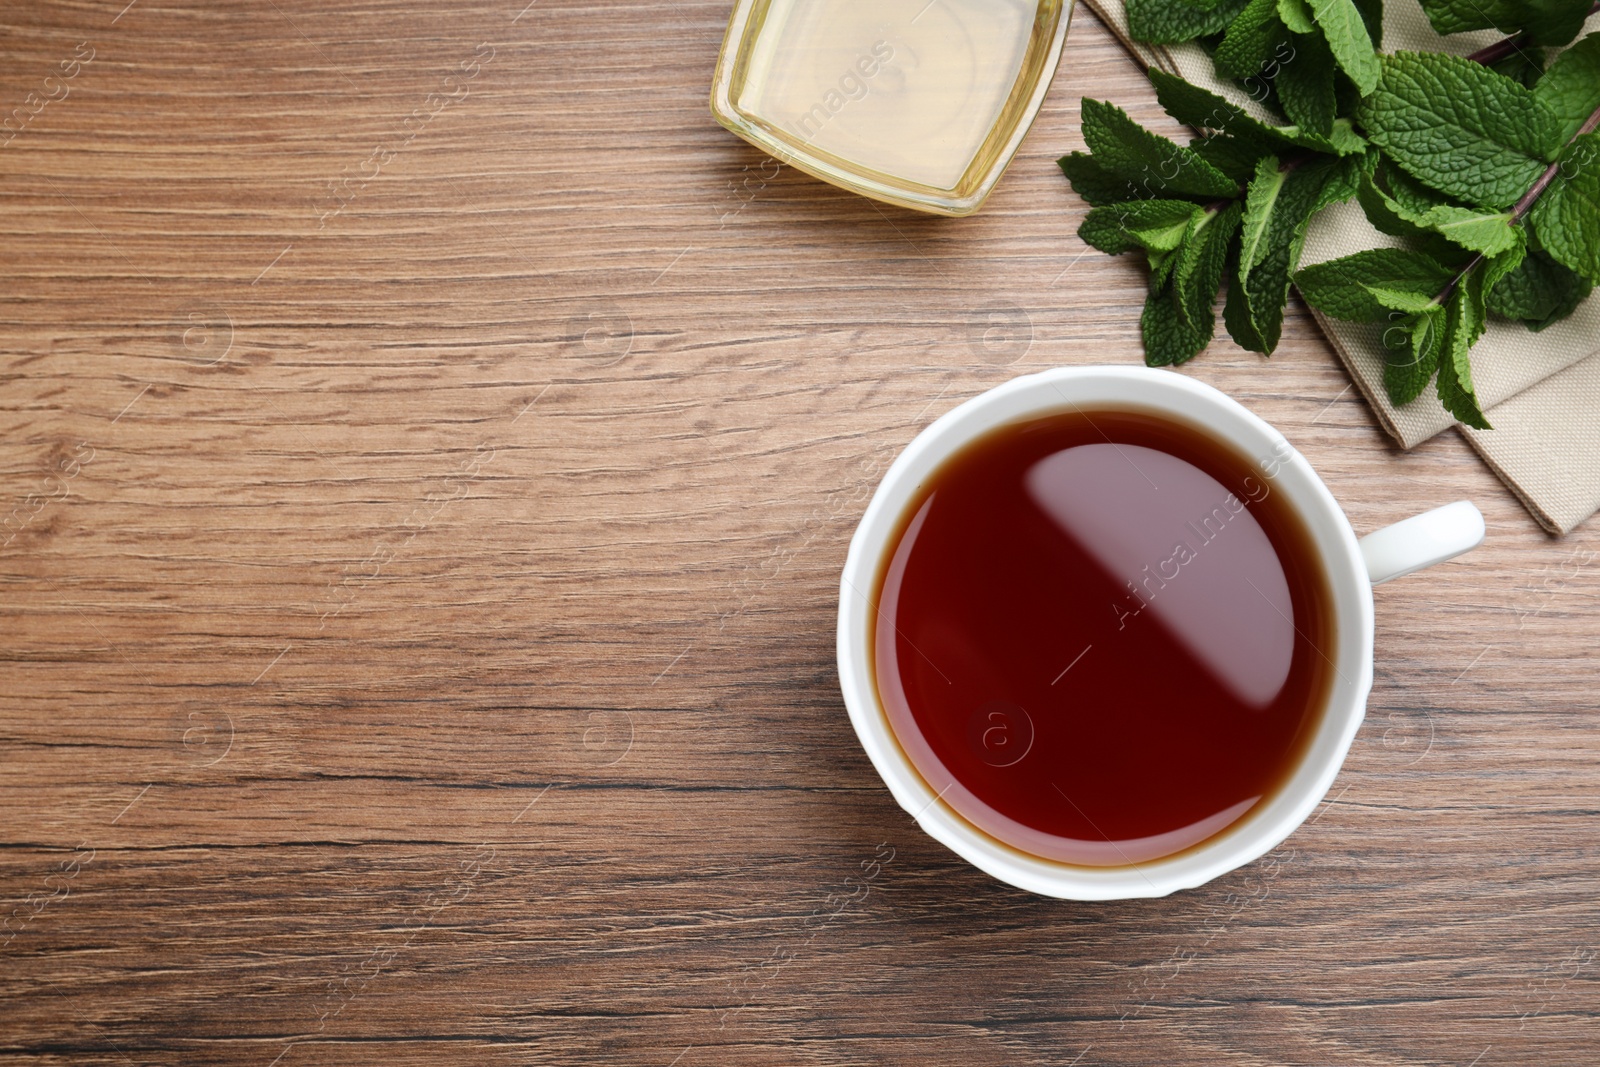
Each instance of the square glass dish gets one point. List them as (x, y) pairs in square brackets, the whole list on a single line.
[(920, 103)]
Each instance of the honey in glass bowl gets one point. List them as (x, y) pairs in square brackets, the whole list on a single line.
[(920, 103)]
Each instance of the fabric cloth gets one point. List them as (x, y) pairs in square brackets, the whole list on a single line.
[(1541, 391)]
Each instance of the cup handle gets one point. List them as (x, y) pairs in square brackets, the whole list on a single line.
[(1422, 540)]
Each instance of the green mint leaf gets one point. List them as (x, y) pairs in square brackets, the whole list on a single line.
[(1102, 229), (1171, 21), (1459, 16), (1261, 200), (1409, 209), (1567, 217), (1550, 22), (1233, 156), (1346, 31), (1093, 182), (1203, 109), (1155, 165), (1397, 215), (1153, 225), (1413, 197), (1306, 86), (1411, 347), (1545, 22), (1161, 267), (1459, 128), (1278, 204), (1342, 179), (1158, 225), (1344, 288), (1236, 308), (1474, 229), (1383, 212), (1464, 321), (1539, 292), (1296, 14), (1201, 260), (1344, 142), (1570, 89), (1256, 37), (1523, 66), (1168, 340), (1497, 267), (1399, 300)]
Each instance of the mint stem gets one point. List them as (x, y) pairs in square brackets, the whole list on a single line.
[(1520, 209), (1455, 283), (1503, 48), (1523, 206)]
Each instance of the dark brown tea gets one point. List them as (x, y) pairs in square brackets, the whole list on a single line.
[(1102, 637)]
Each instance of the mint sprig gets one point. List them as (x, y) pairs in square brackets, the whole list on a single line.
[(1562, 205), (1486, 168)]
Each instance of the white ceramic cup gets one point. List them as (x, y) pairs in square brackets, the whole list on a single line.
[(1352, 568)]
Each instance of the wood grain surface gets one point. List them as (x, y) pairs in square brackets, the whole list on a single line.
[(429, 446)]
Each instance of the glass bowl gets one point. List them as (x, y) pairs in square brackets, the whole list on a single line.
[(920, 103)]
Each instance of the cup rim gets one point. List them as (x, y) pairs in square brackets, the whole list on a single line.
[(1188, 400)]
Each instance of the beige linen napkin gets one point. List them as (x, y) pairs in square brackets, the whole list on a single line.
[(1541, 391)]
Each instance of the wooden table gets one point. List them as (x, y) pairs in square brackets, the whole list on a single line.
[(430, 446)]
